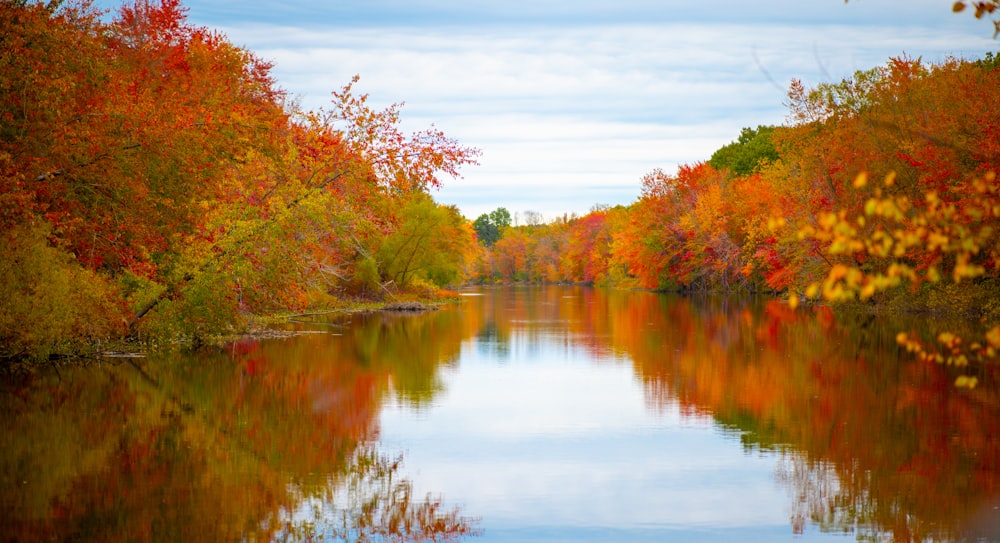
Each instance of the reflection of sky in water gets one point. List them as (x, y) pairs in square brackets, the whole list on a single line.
[(545, 442)]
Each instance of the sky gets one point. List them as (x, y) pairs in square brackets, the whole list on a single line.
[(572, 101)]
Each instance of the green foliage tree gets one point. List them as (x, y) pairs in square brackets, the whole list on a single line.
[(50, 303), (489, 227), (428, 244), (500, 217), (754, 148), (990, 61)]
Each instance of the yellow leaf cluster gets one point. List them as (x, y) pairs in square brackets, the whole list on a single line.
[(898, 241), (905, 237)]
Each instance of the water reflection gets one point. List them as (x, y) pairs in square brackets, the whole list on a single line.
[(549, 439), (912, 455), (372, 503), (561, 413), (865, 441), (233, 444)]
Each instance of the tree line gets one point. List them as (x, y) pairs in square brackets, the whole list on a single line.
[(880, 189)]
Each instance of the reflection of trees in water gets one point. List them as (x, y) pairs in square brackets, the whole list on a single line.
[(839, 499), (870, 442), (885, 446), (202, 448), (372, 503), (490, 343), (815, 493)]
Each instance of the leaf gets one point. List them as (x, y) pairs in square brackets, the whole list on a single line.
[(861, 180), (812, 290), (966, 381), (993, 337), (947, 338), (890, 179)]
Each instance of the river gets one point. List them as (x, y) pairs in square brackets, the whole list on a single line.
[(520, 414)]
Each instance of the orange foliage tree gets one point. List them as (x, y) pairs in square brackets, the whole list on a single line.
[(930, 219), (170, 172)]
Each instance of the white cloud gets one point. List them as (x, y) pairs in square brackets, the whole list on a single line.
[(566, 108)]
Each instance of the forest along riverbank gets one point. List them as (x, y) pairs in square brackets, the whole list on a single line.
[(197, 205)]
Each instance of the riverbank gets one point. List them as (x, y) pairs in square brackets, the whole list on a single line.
[(257, 326)]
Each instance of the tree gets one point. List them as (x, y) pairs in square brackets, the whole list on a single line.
[(486, 232), (929, 222), (678, 236), (512, 253), (753, 148), (164, 163), (588, 247), (489, 227), (533, 218), (901, 242), (500, 217), (430, 243)]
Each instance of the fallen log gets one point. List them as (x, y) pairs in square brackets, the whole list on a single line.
[(408, 307)]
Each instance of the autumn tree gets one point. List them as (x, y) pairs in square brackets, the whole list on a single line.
[(588, 256), (430, 243), (176, 178), (648, 241), (911, 201), (511, 255), (680, 235)]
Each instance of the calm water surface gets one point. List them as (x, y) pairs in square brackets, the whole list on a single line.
[(522, 414)]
